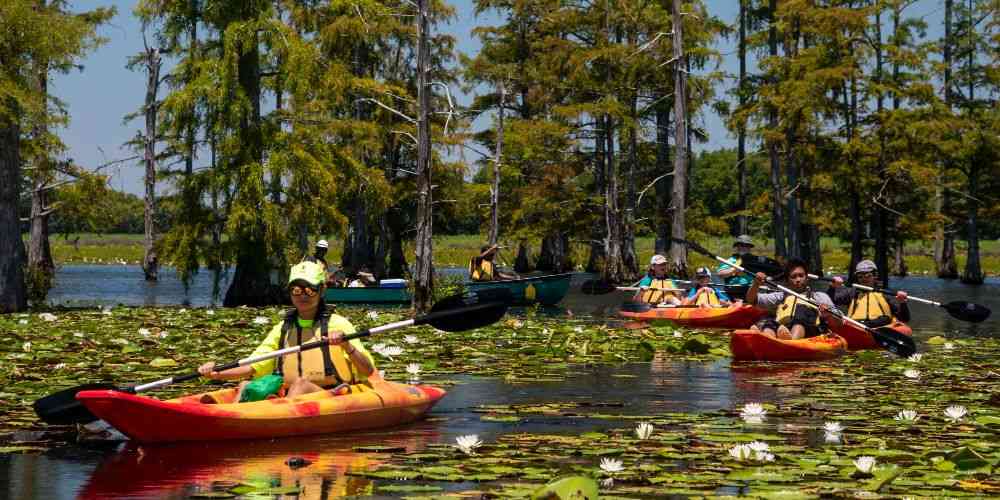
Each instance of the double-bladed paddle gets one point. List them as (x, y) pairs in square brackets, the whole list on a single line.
[(958, 309), (455, 313), (893, 341)]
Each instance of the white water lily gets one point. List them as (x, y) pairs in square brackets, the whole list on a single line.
[(392, 351), (22, 322), (411, 339), (372, 315), (60, 366), (865, 465), (378, 347), (955, 412), (907, 416), (608, 482), (47, 316), (413, 369), (753, 413), (833, 427), (26, 347), (611, 465), (468, 444), (763, 456), (911, 373), (163, 334), (182, 310), (832, 437), (261, 320), (144, 332), (949, 346), (741, 452), (106, 310), (759, 446), (644, 430), (915, 358), (210, 312), (678, 335)]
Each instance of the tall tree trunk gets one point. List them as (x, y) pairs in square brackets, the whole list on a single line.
[(397, 258), (357, 243), (423, 279), (777, 196), (900, 258), (857, 216), (554, 255), (498, 156), (794, 217), (881, 215), (13, 293), (629, 258), (251, 284), (40, 266), (614, 269), (661, 217), (944, 249), (742, 226), (522, 263), (150, 262), (811, 251), (595, 264), (973, 274), (678, 251)]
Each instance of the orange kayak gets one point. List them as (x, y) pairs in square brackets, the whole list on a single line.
[(750, 345), (858, 339), (149, 420), (735, 316)]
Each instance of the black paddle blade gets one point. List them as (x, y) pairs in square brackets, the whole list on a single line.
[(635, 307), (894, 342), (62, 408), (761, 264), (597, 287), (467, 311), (967, 311)]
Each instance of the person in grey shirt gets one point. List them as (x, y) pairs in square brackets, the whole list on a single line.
[(793, 318)]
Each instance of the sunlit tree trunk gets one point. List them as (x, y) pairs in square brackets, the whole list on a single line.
[(13, 294), (678, 252), (423, 279)]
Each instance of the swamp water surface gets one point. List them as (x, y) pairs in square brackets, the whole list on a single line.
[(549, 394)]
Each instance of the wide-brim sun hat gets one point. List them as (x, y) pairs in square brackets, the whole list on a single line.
[(744, 239), (322, 244), (311, 273), (865, 266)]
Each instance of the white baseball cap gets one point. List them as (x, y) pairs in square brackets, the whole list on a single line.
[(322, 244), (657, 259)]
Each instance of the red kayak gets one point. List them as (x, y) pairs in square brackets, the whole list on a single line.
[(858, 339), (188, 418), (734, 316), (750, 345)]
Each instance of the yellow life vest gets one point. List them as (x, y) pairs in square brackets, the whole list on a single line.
[(869, 306), (711, 298), (786, 311), (324, 366), (651, 296), (481, 269)]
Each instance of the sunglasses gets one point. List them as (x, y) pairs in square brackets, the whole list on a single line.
[(865, 273), (299, 290)]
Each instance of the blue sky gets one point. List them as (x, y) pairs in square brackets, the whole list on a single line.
[(105, 91)]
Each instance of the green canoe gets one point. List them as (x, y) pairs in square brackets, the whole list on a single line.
[(367, 295), (546, 290)]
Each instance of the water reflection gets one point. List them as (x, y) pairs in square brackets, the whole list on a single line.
[(179, 471)]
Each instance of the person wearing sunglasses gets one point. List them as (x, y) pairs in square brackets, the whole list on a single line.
[(340, 365), (873, 309)]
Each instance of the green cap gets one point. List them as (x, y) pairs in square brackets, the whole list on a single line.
[(310, 272)]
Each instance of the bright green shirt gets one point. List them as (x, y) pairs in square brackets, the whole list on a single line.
[(270, 344)]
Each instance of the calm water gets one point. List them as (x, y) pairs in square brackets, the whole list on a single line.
[(177, 471)]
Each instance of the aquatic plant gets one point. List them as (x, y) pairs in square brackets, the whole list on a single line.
[(909, 416), (753, 413), (413, 369), (741, 452), (372, 315), (411, 339), (468, 444), (261, 320), (955, 413), (644, 430), (915, 358), (912, 374), (611, 465), (47, 317), (833, 428), (865, 464)]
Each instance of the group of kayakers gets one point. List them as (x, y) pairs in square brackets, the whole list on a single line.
[(343, 364), (345, 277), (789, 317)]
